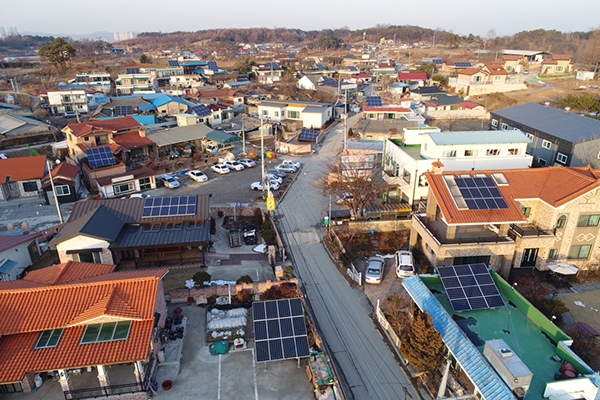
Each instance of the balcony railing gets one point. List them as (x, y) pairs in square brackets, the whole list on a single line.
[(471, 238), (531, 230), (105, 391)]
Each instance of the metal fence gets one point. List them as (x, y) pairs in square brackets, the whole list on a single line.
[(104, 391)]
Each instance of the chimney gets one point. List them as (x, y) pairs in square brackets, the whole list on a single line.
[(438, 167)]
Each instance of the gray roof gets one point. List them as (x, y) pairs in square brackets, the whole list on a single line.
[(376, 146), (375, 126), (179, 134), (134, 236), (558, 123), (478, 137), (98, 223)]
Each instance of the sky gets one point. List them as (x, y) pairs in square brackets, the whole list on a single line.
[(506, 17)]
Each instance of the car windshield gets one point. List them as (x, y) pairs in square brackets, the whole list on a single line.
[(373, 271), (406, 268)]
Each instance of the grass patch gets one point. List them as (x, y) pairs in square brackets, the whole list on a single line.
[(176, 278)]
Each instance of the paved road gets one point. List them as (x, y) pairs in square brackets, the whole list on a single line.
[(342, 312)]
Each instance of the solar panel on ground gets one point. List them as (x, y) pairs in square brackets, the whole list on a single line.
[(173, 63), (480, 193), (374, 101), (169, 206), (123, 110), (279, 330), (309, 135), (201, 110), (212, 65), (100, 157), (470, 287)]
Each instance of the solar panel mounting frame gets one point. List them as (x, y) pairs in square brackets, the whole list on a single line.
[(99, 157)]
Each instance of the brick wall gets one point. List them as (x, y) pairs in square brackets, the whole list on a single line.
[(28, 384)]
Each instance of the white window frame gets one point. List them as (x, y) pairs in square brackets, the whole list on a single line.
[(514, 151), (494, 122), (449, 154), (504, 126), (561, 158), (529, 136), (60, 190), (546, 144), (474, 153), (492, 152)]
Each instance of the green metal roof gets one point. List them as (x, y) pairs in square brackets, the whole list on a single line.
[(222, 137)]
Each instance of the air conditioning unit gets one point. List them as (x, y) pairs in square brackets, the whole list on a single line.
[(505, 353)]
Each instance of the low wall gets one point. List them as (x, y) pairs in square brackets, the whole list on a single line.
[(456, 114), (181, 295), (379, 226)]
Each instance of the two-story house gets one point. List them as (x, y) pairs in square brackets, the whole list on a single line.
[(22, 177), (311, 115), (134, 83), (81, 101), (410, 158), (376, 110), (99, 81), (557, 137), (268, 73), (510, 218)]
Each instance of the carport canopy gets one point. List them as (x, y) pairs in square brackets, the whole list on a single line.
[(179, 134), (222, 137)]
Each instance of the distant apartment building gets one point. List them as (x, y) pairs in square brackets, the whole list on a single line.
[(124, 35), (6, 31)]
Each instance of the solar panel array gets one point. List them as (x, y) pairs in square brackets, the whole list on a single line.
[(374, 101), (437, 61), (320, 67), (480, 193), (470, 287), (169, 206), (212, 65), (279, 330), (463, 64), (100, 157), (201, 110), (352, 68), (123, 110), (309, 135), (133, 70), (173, 63)]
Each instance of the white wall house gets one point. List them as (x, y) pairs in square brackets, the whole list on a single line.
[(410, 158), (313, 115), (85, 249), (18, 253), (74, 100)]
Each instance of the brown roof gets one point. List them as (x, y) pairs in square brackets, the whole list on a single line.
[(562, 57), (555, 186), (113, 125), (113, 296), (496, 70), (132, 140), (469, 71), (137, 174), (65, 171), (8, 242), (217, 93), (22, 168)]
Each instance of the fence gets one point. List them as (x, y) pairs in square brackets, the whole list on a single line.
[(389, 331)]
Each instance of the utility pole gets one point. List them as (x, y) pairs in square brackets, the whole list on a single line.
[(243, 137), (60, 218)]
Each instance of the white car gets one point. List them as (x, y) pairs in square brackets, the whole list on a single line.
[(234, 165), (138, 196), (293, 163), (345, 197), (221, 169), (198, 176), (248, 163), (169, 181), (286, 168), (259, 186), (274, 177), (405, 264), (375, 268)]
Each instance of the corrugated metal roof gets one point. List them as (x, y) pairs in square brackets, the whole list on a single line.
[(222, 137), (179, 134), (99, 223), (478, 137), (489, 384), (133, 236), (561, 124)]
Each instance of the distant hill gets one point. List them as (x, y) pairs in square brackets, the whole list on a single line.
[(104, 35)]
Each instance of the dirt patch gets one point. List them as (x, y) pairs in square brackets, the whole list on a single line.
[(176, 278)]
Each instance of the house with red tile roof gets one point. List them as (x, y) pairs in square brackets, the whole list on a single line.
[(558, 64), (95, 318), (412, 78), (21, 176), (513, 218), (67, 184)]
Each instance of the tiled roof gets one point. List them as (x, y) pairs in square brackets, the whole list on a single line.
[(555, 186), (122, 296), (469, 71), (469, 105), (113, 125), (562, 57), (417, 76), (65, 171), (22, 168), (67, 272), (496, 70), (8, 242), (132, 140)]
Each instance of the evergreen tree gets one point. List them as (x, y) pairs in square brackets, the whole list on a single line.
[(423, 346), (59, 53)]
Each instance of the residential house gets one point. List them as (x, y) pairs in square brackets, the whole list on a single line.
[(17, 253), (380, 130), (379, 111), (227, 96), (22, 177), (185, 84), (12, 109), (557, 137), (309, 82), (558, 64), (80, 101), (527, 56), (268, 73), (513, 64), (67, 184), (137, 232), (451, 67), (134, 83), (312, 114), (156, 104), (413, 78), (96, 318), (98, 81), (17, 130), (412, 156), (126, 183), (510, 218), (424, 93)]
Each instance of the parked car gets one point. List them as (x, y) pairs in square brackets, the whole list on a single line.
[(221, 169), (138, 196), (198, 176), (274, 177), (286, 168), (277, 172), (234, 165), (248, 163), (250, 235), (405, 264), (374, 272), (259, 186), (169, 181), (69, 114), (293, 163), (344, 198)]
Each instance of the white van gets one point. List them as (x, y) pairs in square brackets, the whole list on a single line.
[(214, 147), (405, 264)]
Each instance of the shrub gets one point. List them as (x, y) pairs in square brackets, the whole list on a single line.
[(363, 243), (554, 307), (244, 279), (269, 236), (244, 295), (201, 277), (288, 272)]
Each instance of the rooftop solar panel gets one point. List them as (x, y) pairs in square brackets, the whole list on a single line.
[(132, 70), (123, 110), (279, 330), (475, 193), (169, 206), (212, 65), (374, 101), (99, 157), (173, 63), (352, 68), (470, 287), (201, 110), (309, 135)]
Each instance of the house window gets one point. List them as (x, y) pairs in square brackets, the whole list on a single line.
[(471, 153), (561, 158), (195, 224), (580, 251), (276, 113), (30, 186), (546, 144), (124, 188), (173, 226), (62, 190), (265, 112), (526, 211), (90, 257), (553, 253), (529, 136), (294, 114), (151, 227), (561, 221), (145, 184), (494, 122), (406, 176), (588, 220), (492, 152), (504, 126), (449, 153), (559, 68), (542, 162), (49, 338), (514, 152), (106, 332), (87, 139), (101, 140)]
